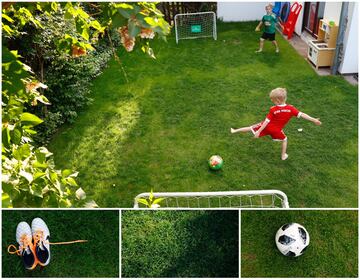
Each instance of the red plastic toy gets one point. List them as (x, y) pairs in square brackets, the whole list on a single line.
[(289, 26)]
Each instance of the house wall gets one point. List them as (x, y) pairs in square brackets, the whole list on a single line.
[(241, 11), (351, 43), (299, 22), (332, 11)]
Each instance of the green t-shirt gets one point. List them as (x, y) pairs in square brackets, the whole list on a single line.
[(269, 22)]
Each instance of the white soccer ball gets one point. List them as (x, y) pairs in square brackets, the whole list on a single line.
[(292, 239)]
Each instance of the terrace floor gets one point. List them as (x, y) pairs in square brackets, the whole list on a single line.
[(300, 44)]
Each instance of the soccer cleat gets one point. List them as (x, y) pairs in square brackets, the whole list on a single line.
[(41, 235), (26, 248)]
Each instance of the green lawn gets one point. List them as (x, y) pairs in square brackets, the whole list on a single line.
[(159, 129), (99, 257), (180, 244), (333, 249)]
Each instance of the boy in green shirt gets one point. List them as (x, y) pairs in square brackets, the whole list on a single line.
[(269, 20)]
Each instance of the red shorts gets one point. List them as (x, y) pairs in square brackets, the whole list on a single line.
[(276, 135)]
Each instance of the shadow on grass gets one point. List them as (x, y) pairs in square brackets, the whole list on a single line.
[(215, 250), (184, 244)]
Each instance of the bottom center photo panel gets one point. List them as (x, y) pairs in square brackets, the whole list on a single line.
[(185, 243)]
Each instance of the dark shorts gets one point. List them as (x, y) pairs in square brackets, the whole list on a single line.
[(268, 36)]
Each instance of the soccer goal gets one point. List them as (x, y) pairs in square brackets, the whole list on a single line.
[(228, 199), (195, 25)]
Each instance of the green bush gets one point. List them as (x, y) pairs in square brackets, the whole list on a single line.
[(69, 82), (68, 79)]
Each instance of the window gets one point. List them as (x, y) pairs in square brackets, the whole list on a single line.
[(313, 12)]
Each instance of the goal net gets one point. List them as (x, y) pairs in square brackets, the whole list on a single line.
[(228, 199), (195, 25)]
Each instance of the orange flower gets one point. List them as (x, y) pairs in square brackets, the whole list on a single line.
[(33, 85), (127, 41), (78, 51), (30, 86), (147, 33)]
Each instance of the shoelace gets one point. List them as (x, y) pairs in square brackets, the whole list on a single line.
[(38, 236), (23, 240)]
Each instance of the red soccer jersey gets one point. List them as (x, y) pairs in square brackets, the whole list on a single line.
[(279, 116)]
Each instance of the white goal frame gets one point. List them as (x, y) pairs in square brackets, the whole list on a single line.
[(250, 196), (214, 34)]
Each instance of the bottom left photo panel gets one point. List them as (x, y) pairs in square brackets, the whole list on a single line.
[(60, 243)]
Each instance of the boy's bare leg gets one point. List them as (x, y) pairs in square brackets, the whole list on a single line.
[(276, 45), (284, 155), (241, 129), (261, 45)]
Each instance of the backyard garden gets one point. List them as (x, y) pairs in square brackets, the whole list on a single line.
[(157, 129), (148, 123)]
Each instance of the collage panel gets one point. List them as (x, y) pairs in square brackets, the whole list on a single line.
[(299, 243), (183, 243), (60, 243), (201, 117), (189, 144)]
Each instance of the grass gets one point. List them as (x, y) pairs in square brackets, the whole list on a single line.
[(159, 129), (99, 257), (180, 244), (333, 249)]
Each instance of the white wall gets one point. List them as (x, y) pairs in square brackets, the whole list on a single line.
[(332, 11), (299, 22), (241, 11), (351, 47)]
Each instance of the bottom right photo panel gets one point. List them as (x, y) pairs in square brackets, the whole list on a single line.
[(299, 243)]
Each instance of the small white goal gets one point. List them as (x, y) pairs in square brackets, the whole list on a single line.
[(225, 199), (195, 25)]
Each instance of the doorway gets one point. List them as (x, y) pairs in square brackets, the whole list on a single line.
[(313, 12)]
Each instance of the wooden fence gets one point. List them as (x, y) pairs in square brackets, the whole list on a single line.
[(170, 9)]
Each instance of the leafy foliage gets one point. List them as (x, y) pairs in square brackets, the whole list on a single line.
[(69, 82), (29, 175), (151, 202)]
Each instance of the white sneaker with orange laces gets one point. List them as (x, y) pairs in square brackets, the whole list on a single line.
[(26, 247), (41, 235)]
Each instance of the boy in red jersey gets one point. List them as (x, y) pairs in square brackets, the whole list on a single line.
[(275, 121)]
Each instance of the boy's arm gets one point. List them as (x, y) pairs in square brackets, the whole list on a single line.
[(262, 127), (259, 26), (311, 119)]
